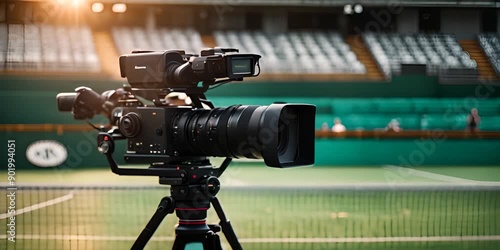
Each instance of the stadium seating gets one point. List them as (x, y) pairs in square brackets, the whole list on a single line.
[(490, 123), (437, 51), (491, 46), (128, 39), (415, 113), (376, 113), (295, 52), (3, 44), (33, 47), (15, 46)]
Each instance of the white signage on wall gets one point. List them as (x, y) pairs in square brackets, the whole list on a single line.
[(46, 153)]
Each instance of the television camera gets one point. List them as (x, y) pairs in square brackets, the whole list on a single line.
[(177, 140)]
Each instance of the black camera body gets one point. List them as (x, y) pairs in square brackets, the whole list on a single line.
[(159, 132), (147, 130)]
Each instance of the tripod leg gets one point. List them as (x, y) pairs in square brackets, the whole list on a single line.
[(215, 242), (165, 207), (225, 224)]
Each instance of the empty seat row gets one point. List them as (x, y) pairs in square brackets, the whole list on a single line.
[(390, 106), (47, 48), (376, 113), (295, 52), (128, 39), (407, 122), (434, 50), (414, 106), (491, 46)]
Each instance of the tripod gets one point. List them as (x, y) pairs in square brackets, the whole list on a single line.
[(194, 186), (190, 203)]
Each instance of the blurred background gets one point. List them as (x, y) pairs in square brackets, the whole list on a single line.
[(407, 123)]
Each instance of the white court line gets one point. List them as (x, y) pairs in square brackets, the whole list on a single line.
[(437, 177), (371, 239), (272, 240), (84, 237), (39, 205)]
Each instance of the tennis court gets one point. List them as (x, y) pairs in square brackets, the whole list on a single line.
[(384, 207)]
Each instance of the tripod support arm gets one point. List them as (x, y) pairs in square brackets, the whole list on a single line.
[(223, 166), (166, 206), (106, 146)]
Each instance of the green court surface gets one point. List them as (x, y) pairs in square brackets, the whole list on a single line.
[(256, 173), (303, 208)]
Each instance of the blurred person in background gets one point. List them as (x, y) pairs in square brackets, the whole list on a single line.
[(324, 126), (473, 120), (338, 127), (393, 126), (424, 122)]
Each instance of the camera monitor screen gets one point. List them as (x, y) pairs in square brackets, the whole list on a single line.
[(241, 66)]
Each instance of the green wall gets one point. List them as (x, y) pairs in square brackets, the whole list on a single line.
[(81, 147), (401, 86), (407, 86), (32, 100), (407, 152), (82, 151)]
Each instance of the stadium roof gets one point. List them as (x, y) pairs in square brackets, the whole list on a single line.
[(436, 3)]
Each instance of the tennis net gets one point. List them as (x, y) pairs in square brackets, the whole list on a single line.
[(343, 217)]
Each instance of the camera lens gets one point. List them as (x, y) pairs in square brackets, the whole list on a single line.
[(255, 132), (130, 124), (65, 101)]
